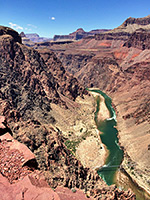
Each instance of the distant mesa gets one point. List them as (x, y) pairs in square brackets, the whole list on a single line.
[(26, 40), (22, 34), (31, 38), (34, 37), (78, 34)]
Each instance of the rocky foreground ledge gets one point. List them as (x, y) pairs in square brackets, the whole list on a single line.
[(21, 179)]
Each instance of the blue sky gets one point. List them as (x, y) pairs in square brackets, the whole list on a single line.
[(50, 17)]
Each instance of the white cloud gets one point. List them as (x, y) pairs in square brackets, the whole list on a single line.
[(28, 29), (52, 18), (15, 26), (31, 25)]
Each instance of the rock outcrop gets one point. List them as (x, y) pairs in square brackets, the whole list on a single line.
[(90, 68), (8, 31), (69, 85), (112, 193), (112, 36), (136, 23), (131, 25), (139, 39), (19, 178)]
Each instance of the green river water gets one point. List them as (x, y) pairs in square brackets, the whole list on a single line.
[(115, 157), (110, 139)]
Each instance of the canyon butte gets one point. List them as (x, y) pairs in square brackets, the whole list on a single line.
[(47, 115)]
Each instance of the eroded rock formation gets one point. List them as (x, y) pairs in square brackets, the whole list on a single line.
[(139, 39)]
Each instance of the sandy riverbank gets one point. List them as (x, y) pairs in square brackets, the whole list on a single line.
[(103, 111), (79, 127), (91, 151)]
